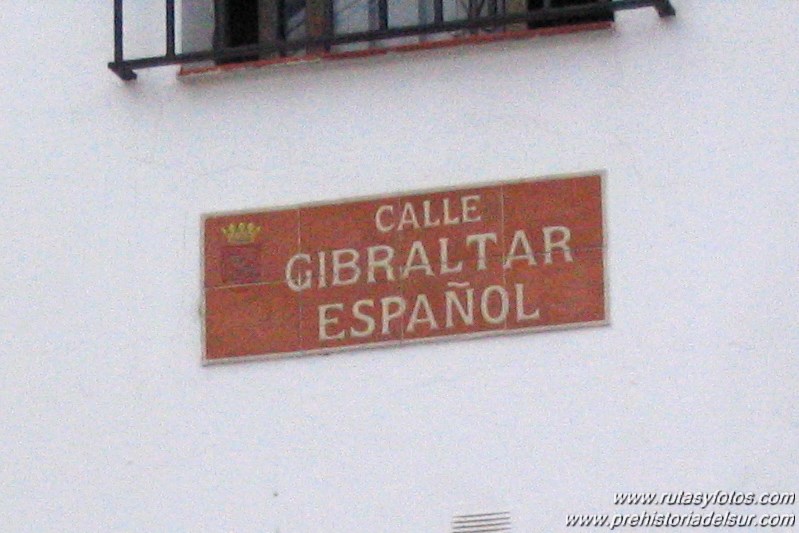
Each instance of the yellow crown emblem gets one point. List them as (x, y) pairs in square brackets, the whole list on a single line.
[(241, 233)]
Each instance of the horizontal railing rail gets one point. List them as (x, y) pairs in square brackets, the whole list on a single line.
[(125, 68)]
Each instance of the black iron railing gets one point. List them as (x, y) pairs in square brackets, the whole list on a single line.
[(489, 19)]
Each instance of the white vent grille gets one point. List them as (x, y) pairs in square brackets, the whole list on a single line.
[(481, 522)]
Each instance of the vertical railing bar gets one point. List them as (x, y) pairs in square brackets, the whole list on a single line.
[(220, 26), (438, 11), (492, 8), (278, 33), (330, 16), (170, 28), (382, 14), (118, 35)]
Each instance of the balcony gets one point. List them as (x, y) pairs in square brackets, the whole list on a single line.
[(231, 32)]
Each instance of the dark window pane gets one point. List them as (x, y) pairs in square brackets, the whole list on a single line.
[(242, 22), (532, 5)]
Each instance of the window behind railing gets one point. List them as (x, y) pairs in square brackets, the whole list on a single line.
[(228, 31)]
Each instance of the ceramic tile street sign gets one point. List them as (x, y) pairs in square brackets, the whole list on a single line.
[(507, 257)]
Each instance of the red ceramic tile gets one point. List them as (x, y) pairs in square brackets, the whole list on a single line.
[(481, 259), (249, 248), (251, 320), (560, 292), (574, 203), (452, 225), (345, 225), (365, 313), (469, 301)]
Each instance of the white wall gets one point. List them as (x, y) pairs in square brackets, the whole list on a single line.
[(109, 423)]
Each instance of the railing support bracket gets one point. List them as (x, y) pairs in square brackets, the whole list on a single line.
[(123, 71), (665, 9)]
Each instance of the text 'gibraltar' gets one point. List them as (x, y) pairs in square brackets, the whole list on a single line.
[(509, 257)]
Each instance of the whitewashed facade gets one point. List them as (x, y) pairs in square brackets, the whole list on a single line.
[(109, 421)]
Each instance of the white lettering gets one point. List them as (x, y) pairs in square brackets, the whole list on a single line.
[(339, 266), (389, 315), (408, 217), (417, 250), (324, 320), (381, 226), (444, 256), (485, 309), (481, 239), (448, 221), (519, 239), (366, 319), (422, 303), (469, 206), (428, 222), (303, 278), (466, 312), (521, 316), (322, 272), (433, 213), (384, 262), (562, 244)]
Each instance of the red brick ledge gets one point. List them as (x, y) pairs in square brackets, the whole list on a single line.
[(427, 45)]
